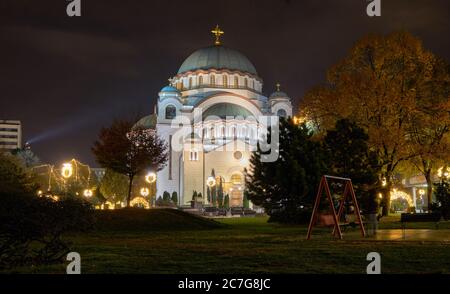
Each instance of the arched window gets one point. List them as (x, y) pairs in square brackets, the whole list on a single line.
[(171, 112), (193, 155), (212, 134), (212, 80), (222, 131), (282, 113), (225, 81), (246, 82), (236, 82), (190, 83), (200, 80)]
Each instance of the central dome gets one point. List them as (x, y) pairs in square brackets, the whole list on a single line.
[(217, 57)]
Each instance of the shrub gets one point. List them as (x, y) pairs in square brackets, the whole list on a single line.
[(442, 194)]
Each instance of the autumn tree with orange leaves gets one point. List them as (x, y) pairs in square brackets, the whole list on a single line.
[(397, 91)]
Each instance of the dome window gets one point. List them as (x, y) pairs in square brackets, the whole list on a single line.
[(225, 81), (212, 80), (236, 82), (171, 112)]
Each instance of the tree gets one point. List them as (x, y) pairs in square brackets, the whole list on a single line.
[(245, 201), (442, 194), (15, 178), (220, 193), (377, 86), (350, 157), (226, 201), (429, 133), (194, 196), (114, 186), (287, 198), (175, 198), (166, 197), (27, 157), (129, 150)]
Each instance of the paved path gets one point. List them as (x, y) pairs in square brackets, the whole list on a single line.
[(412, 235)]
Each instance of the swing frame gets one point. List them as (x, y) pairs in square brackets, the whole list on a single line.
[(348, 192)]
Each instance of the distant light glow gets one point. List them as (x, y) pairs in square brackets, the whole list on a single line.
[(150, 177), (67, 170), (145, 192), (88, 193)]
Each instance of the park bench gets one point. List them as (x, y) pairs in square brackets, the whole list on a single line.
[(420, 217)]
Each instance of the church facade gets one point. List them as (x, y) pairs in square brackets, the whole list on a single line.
[(209, 115)]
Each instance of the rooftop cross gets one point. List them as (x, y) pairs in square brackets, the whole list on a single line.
[(217, 32), (278, 86)]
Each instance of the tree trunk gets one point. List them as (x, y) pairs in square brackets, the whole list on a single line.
[(429, 187), (387, 194), (130, 185)]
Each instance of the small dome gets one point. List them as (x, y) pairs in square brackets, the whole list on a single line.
[(278, 94), (217, 57), (147, 122), (170, 89)]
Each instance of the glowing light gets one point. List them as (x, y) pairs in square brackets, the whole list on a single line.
[(211, 182), (383, 182), (67, 170), (140, 201), (39, 193), (150, 177), (145, 192), (395, 194), (380, 195), (421, 192), (444, 172), (88, 193)]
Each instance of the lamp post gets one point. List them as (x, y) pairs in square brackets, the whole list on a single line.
[(88, 193)]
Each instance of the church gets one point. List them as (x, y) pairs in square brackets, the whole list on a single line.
[(210, 117)]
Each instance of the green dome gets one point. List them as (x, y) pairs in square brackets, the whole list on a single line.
[(217, 57), (224, 110), (147, 122)]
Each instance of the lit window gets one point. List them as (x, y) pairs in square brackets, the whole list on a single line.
[(212, 80), (225, 81), (190, 83), (236, 82), (246, 82), (200, 80), (236, 179)]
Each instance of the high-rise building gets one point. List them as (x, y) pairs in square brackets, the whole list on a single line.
[(10, 134)]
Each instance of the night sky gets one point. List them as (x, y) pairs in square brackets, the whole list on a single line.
[(65, 78)]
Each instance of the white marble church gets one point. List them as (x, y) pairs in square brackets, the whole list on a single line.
[(218, 94)]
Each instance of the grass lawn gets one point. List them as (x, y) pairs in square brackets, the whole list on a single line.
[(245, 245)]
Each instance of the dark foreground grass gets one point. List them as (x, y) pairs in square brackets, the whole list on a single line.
[(247, 245)]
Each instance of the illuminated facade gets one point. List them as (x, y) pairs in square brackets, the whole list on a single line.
[(217, 93)]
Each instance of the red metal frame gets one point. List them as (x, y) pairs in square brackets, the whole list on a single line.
[(348, 189)]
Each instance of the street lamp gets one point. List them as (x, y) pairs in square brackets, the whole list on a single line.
[(150, 177), (211, 182), (145, 192), (88, 193)]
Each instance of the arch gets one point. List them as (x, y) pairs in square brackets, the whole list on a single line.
[(170, 112), (282, 113), (140, 202), (232, 98)]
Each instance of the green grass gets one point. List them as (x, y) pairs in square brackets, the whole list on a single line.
[(241, 245)]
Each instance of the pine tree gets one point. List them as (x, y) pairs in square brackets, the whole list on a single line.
[(175, 198), (286, 188)]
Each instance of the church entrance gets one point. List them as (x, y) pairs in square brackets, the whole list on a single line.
[(236, 191)]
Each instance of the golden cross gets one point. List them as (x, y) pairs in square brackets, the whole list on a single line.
[(278, 86), (217, 32)]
